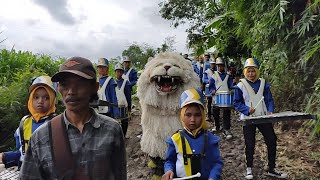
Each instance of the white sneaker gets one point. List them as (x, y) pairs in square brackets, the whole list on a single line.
[(249, 173), (227, 134), (280, 175)]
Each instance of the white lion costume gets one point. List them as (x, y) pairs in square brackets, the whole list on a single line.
[(159, 88)]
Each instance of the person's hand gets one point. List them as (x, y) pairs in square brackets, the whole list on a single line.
[(168, 175), (252, 110), (211, 179)]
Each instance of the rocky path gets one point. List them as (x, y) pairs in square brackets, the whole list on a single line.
[(296, 155)]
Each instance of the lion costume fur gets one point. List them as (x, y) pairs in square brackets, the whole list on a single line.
[(159, 87)]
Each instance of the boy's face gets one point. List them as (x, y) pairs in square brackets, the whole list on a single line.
[(103, 71), (119, 74), (192, 117), (251, 74), (41, 100), (212, 65), (126, 64), (220, 68)]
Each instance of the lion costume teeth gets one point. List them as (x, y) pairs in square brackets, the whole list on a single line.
[(159, 88)]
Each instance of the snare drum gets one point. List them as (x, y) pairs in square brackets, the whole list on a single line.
[(123, 113), (224, 99)]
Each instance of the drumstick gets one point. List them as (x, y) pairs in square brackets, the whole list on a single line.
[(216, 90), (259, 102), (188, 177)]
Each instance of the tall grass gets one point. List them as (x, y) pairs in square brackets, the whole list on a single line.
[(17, 71)]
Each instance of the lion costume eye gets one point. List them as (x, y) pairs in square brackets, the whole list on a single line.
[(160, 64), (175, 65)]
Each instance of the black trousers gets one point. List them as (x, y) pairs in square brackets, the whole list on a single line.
[(124, 126), (226, 117), (270, 139), (209, 106)]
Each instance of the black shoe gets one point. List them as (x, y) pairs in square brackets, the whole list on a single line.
[(277, 174)]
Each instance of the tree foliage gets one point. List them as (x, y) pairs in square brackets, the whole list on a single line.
[(17, 71), (283, 35), (139, 54)]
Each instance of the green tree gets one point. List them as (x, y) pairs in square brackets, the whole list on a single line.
[(17, 71), (283, 35)]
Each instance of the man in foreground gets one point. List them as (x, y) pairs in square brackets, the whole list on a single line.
[(79, 143)]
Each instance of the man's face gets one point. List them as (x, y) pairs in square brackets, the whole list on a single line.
[(212, 65), (126, 64), (103, 71), (206, 58), (76, 92), (119, 74)]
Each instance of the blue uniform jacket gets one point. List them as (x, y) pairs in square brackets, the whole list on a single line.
[(239, 103), (127, 93), (211, 165), (133, 76), (194, 65), (200, 70), (12, 158), (206, 77), (110, 94), (212, 82)]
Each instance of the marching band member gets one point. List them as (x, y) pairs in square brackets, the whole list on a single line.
[(220, 81), (123, 92), (206, 75), (129, 72), (41, 105), (193, 149), (107, 87), (253, 98)]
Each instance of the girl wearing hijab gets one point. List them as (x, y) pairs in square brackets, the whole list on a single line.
[(41, 105), (253, 97), (193, 150)]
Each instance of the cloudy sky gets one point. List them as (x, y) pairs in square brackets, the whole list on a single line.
[(88, 28)]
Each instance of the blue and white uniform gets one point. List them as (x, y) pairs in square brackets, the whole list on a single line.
[(211, 165), (123, 91), (131, 75), (220, 82), (107, 93), (247, 93)]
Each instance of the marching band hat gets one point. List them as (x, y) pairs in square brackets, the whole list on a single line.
[(191, 96)]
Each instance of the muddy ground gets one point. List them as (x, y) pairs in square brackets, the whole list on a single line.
[(296, 155)]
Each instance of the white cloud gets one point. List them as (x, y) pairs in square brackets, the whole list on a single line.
[(95, 28)]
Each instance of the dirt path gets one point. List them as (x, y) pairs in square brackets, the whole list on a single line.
[(296, 155)]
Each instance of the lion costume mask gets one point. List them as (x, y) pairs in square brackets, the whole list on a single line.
[(159, 88)]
